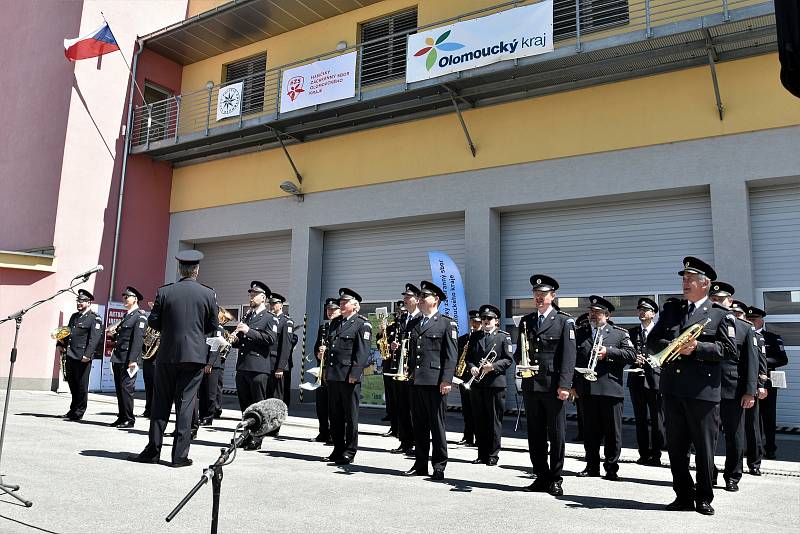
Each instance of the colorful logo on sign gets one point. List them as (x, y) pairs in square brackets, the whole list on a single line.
[(294, 87), (439, 44)]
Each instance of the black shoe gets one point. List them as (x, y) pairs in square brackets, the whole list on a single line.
[(388, 434), (274, 433), (714, 482), (409, 451), (770, 455), (183, 462), (555, 489), (344, 460), (330, 459), (589, 473), (413, 472), (466, 442), (399, 450), (438, 474), (208, 421), (643, 461), (116, 423), (537, 486), (704, 508), (653, 462), (252, 446), (329, 441), (320, 438), (194, 433), (146, 413), (492, 461), (386, 418), (756, 472), (126, 424), (611, 476), (478, 461), (144, 457), (731, 485), (217, 414), (68, 415), (680, 506), (171, 434)]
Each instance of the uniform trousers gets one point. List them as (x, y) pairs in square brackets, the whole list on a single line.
[(323, 414), (752, 435), (78, 381), (649, 414), (175, 383), (405, 424), (468, 412), (547, 421), (768, 412), (732, 417), (209, 393), (691, 422), (251, 387), (602, 422), (148, 373), (391, 402), (344, 399), (428, 408), (123, 386), (488, 405)]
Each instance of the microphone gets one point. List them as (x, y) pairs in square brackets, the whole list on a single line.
[(95, 269), (263, 417)]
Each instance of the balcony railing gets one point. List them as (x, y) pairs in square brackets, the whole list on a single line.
[(187, 122)]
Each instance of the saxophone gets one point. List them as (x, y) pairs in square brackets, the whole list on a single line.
[(383, 342), (461, 366)]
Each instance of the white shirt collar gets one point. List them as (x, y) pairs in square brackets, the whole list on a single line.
[(699, 302), (349, 316), (546, 313)]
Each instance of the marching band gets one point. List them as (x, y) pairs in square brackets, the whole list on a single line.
[(700, 369)]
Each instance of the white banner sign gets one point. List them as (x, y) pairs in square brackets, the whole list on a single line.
[(229, 101), (319, 82), (519, 32)]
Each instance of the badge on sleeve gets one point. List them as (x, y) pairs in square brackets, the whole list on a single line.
[(275, 328), (454, 334), (97, 326), (732, 332), (366, 335), (290, 329), (572, 334), (630, 343), (141, 325), (755, 342)]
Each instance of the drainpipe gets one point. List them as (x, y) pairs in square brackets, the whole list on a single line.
[(128, 138)]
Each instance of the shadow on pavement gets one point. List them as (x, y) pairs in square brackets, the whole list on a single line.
[(40, 529), (579, 501)]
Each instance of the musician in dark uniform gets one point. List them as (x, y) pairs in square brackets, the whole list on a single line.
[(691, 384), (332, 311), (281, 350), (79, 348), (754, 439), (389, 366), (776, 357), (148, 375), (185, 312), (402, 388), (602, 398), (643, 380), (256, 336), (209, 386), (128, 336), (345, 361), (551, 341), (489, 356), (581, 321), (466, 401), (432, 360), (739, 383)]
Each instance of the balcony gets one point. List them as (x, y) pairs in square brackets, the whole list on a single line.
[(595, 44)]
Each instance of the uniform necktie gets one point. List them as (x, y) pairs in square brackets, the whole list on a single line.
[(541, 320), (691, 309), (424, 321)]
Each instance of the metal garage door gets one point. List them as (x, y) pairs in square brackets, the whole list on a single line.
[(625, 248), (775, 226), (230, 265)]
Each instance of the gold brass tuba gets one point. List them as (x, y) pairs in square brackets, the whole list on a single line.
[(672, 351)]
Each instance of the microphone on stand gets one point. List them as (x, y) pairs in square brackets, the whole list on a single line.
[(87, 274), (263, 417)]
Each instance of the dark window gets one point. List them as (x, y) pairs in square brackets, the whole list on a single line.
[(595, 15), (154, 122), (782, 302), (251, 71), (790, 332), (385, 58)]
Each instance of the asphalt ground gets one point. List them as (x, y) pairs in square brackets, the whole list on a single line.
[(79, 481)]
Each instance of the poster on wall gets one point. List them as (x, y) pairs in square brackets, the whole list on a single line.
[(229, 101), (512, 34), (319, 82), (116, 311)]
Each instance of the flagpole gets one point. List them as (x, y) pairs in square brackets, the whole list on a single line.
[(141, 94)]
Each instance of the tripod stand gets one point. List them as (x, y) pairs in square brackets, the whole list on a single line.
[(11, 489)]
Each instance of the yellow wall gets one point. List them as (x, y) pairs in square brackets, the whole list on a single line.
[(658, 109), (196, 7)]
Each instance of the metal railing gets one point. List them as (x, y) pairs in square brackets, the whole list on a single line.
[(576, 22)]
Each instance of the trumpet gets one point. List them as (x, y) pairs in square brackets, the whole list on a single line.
[(318, 372), (589, 371), (672, 351), (489, 358), (402, 364)]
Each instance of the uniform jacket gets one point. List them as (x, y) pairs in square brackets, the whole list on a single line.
[(432, 350), (481, 344), (185, 313), (699, 375), (350, 348), (650, 378), (282, 350), (740, 374), (552, 348), (762, 360), (128, 337), (619, 353), (775, 353), (256, 346), (214, 359), (86, 335)]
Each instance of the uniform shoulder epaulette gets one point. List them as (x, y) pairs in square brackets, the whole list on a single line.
[(447, 317), (719, 306), (745, 321), (209, 287), (559, 312), (362, 317), (166, 285), (504, 333), (619, 328)]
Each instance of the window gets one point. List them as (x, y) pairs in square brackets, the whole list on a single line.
[(386, 58), (594, 15), (252, 71), (160, 114)]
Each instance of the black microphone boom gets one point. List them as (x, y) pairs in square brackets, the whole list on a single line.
[(87, 274)]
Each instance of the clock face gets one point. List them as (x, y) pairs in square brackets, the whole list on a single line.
[(229, 100)]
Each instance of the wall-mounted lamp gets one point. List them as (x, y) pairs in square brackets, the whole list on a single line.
[(341, 45), (209, 85), (292, 189)]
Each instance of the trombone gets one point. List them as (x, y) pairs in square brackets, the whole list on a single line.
[(589, 371), (489, 358)]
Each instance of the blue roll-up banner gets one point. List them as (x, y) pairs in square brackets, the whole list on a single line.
[(445, 274)]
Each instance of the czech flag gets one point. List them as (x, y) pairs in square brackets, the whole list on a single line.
[(95, 43)]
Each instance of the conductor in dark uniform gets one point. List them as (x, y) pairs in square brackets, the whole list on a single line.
[(321, 394), (691, 384), (551, 342), (643, 382), (185, 312), (128, 336), (776, 357), (345, 361), (83, 343), (256, 336), (490, 355), (601, 390), (466, 401), (431, 364), (739, 383)]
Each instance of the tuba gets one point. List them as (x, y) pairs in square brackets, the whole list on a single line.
[(671, 351), (151, 342)]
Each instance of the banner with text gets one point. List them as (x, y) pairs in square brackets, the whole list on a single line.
[(319, 82), (445, 274), (519, 32)]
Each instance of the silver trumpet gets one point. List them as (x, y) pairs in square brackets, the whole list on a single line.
[(589, 371), (489, 358)]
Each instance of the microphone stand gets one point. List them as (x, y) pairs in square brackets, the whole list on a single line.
[(11, 489), (213, 473)]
